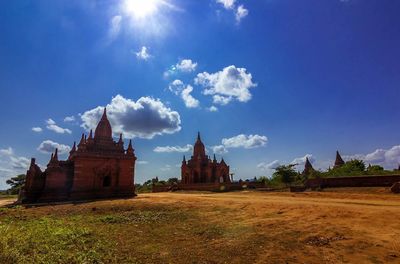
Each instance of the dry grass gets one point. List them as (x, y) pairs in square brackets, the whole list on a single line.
[(339, 226)]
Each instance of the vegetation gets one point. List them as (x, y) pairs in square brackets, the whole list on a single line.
[(286, 175), (147, 185), (16, 183)]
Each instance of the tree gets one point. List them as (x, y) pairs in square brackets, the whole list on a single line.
[(16, 183), (172, 180), (285, 173)]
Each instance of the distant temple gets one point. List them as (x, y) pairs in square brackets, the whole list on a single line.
[(308, 168), (339, 162), (98, 167), (201, 169)]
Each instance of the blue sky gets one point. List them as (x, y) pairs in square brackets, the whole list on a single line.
[(266, 82)]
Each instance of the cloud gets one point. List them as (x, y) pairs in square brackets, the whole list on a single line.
[(19, 163), (143, 54), (169, 149), (302, 160), (268, 166), (49, 146), (240, 141), (247, 142), (142, 162), (226, 85), (166, 168), (6, 152), (145, 118), (176, 86), (212, 109), (69, 119), (219, 149), (241, 12), (186, 65), (115, 27), (188, 99), (51, 125), (388, 158), (11, 165), (228, 4), (37, 129)]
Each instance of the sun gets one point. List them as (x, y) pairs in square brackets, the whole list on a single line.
[(140, 9)]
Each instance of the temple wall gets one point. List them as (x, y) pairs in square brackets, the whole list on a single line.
[(359, 181)]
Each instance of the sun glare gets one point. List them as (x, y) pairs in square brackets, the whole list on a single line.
[(140, 9)]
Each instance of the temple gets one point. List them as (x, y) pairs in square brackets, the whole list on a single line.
[(339, 162), (98, 167), (308, 168), (201, 169)]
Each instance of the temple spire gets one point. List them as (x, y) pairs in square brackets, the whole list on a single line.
[(307, 167), (130, 150), (198, 136), (91, 134), (215, 159), (56, 155), (338, 161), (103, 130)]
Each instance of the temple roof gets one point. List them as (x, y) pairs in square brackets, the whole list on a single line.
[(103, 129), (199, 149), (338, 161)]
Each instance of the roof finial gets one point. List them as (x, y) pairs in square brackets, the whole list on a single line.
[(198, 136), (56, 155), (184, 159), (130, 149), (215, 159)]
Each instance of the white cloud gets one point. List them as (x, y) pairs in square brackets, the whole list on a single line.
[(11, 165), (49, 146), (37, 129), (166, 168), (186, 65), (244, 141), (115, 27), (7, 152), (219, 149), (188, 99), (143, 54), (228, 4), (302, 160), (240, 141), (388, 158), (142, 162), (69, 119), (51, 125), (145, 118), (227, 84), (169, 149), (241, 12), (268, 166), (176, 86), (212, 109)]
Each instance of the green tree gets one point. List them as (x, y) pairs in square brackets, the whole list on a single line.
[(16, 183), (285, 173)]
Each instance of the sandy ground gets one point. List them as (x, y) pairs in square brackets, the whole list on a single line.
[(336, 226)]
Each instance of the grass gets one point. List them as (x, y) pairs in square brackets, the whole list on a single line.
[(202, 228)]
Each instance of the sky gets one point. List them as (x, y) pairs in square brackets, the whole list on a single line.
[(266, 82)]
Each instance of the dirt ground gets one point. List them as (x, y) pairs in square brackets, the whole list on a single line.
[(335, 226)]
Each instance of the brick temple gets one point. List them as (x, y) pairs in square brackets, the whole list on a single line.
[(201, 169), (98, 167)]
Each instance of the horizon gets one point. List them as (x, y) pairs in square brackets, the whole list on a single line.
[(266, 83)]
